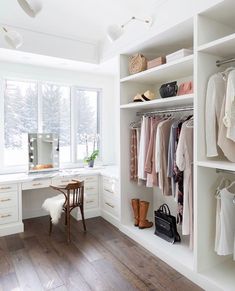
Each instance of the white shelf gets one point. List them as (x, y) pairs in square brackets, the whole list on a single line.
[(176, 255), (222, 275), (183, 100), (222, 165), (223, 47), (167, 72)]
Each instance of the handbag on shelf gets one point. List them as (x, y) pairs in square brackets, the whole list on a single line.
[(168, 89), (165, 225), (137, 63), (185, 88)]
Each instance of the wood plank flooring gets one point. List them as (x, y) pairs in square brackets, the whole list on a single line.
[(101, 259)]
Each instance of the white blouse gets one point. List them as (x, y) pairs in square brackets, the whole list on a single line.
[(229, 118)]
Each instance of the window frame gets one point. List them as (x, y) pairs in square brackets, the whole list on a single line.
[(73, 147)]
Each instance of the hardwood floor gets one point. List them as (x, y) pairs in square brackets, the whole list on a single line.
[(101, 259)]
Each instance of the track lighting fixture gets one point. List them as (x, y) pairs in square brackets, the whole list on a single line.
[(31, 7), (12, 38), (115, 31)]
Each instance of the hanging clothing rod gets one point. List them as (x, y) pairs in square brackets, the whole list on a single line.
[(170, 110), (220, 63), (225, 171)]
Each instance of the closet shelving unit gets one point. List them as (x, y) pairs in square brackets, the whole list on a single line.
[(212, 36), (214, 40), (178, 255)]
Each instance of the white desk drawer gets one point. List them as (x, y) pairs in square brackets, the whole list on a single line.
[(8, 215), (61, 181), (36, 184), (8, 199), (91, 202), (110, 206), (91, 188), (109, 192), (88, 179), (9, 187)]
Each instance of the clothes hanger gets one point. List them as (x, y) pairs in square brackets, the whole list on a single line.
[(224, 183)]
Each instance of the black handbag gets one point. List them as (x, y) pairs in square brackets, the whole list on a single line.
[(168, 90), (165, 224)]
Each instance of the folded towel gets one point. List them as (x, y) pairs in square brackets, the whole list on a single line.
[(54, 206)]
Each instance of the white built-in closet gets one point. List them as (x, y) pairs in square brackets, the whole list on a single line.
[(211, 34)]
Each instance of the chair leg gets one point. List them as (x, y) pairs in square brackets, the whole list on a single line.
[(83, 219), (68, 226), (65, 219), (50, 229)]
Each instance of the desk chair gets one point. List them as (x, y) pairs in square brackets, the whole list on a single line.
[(74, 197)]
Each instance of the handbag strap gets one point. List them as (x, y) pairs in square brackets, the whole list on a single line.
[(165, 209)]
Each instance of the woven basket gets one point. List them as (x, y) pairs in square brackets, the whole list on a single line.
[(137, 63)]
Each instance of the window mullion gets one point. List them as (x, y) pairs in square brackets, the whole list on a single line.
[(73, 126), (40, 109), (2, 130)]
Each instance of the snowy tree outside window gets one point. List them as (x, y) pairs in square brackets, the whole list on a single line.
[(31, 107)]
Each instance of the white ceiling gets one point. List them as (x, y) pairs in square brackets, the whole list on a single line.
[(85, 20)]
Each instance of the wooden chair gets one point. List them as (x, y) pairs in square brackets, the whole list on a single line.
[(74, 197)]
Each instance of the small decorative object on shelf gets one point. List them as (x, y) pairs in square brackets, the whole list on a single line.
[(168, 90), (185, 88), (147, 96), (156, 62), (178, 55), (137, 63), (91, 140)]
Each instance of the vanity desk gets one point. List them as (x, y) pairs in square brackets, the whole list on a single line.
[(19, 191)]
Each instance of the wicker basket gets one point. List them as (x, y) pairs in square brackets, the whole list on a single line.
[(137, 63)]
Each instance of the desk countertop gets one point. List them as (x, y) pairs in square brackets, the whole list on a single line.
[(110, 171)]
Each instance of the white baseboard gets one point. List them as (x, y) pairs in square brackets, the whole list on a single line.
[(11, 228), (110, 218), (88, 213)]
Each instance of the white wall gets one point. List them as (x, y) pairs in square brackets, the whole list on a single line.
[(165, 14), (109, 108)]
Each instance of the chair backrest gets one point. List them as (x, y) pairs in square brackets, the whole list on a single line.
[(75, 193)]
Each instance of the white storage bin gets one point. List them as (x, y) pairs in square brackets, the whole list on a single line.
[(178, 55)]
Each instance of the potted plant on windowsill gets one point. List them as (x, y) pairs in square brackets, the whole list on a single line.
[(91, 159)]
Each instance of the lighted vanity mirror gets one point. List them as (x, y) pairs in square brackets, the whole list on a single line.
[(43, 149)]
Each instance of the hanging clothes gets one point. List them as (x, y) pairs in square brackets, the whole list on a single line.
[(226, 224), (229, 116), (161, 155), (184, 161), (133, 156), (150, 159), (214, 98)]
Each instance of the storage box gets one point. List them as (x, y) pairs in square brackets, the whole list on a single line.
[(156, 62), (178, 55)]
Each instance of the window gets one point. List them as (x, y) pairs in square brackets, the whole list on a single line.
[(20, 117), (31, 106), (56, 116), (87, 104)]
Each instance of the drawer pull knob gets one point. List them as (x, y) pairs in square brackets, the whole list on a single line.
[(90, 188), (37, 184), (5, 188), (108, 190), (110, 205), (5, 215), (5, 200), (90, 201)]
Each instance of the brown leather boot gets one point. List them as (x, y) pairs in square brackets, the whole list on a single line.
[(143, 222), (136, 206)]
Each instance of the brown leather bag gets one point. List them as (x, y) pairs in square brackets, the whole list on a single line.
[(185, 88), (137, 63)]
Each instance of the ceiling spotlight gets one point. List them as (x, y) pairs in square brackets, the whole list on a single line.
[(115, 31), (31, 7), (13, 38)]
